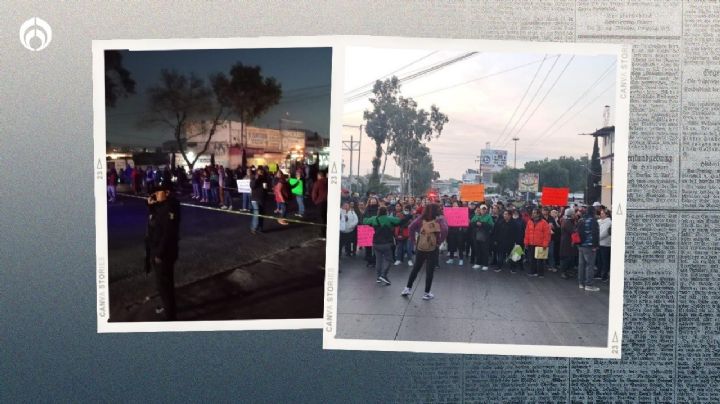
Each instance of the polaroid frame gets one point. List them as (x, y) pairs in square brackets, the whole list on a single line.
[(99, 170), (619, 195)]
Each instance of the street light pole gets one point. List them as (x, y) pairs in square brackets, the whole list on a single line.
[(515, 139)]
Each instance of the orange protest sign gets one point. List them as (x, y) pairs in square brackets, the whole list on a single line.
[(472, 192), (554, 196)]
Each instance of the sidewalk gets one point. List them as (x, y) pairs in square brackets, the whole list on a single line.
[(470, 306)]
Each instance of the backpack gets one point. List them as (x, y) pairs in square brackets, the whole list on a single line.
[(427, 239)]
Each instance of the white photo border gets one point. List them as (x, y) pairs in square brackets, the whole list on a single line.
[(99, 168), (613, 350)]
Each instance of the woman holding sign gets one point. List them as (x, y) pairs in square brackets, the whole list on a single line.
[(537, 240)]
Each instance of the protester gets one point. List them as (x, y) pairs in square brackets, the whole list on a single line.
[(258, 185), (296, 187), (282, 194), (112, 179), (456, 242), (589, 232), (506, 232), (605, 225), (371, 209), (430, 231), (383, 241), (348, 225), (568, 251), (482, 225), (403, 247), (554, 251), (319, 198), (537, 235)]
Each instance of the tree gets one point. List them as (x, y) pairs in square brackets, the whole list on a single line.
[(507, 179), (118, 82), (189, 107), (248, 93), (594, 174), (397, 122), (377, 121)]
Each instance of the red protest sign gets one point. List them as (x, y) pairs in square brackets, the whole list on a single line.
[(365, 235), (554, 196), (457, 217)]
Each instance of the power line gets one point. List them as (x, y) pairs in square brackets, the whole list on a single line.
[(390, 74), (611, 86), (523, 98), (418, 74), (542, 99), (592, 86), (542, 83)]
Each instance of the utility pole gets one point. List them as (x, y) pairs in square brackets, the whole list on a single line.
[(352, 146), (515, 139)]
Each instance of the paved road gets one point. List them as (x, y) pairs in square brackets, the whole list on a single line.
[(470, 306), (223, 272)]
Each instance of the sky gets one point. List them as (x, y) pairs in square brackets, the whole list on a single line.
[(304, 74), (480, 109)]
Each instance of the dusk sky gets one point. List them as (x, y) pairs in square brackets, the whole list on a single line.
[(304, 73), (479, 110)]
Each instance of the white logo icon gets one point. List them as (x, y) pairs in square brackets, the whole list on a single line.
[(35, 34)]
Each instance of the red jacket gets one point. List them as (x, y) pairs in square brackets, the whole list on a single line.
[(320, 191), (537, 234)]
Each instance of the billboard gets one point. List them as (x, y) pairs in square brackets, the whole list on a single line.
[(528, 182), (492, 160)]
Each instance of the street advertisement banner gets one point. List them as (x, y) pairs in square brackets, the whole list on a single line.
[(554, 196), (528, 182), (493, 161), (457, 217)]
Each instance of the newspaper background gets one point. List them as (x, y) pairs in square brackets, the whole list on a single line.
[(671, 344)]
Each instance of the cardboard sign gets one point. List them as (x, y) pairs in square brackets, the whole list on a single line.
[(555, 196), (528, 182), (472, 192), (243, 186), (365, 235), (457, 217)]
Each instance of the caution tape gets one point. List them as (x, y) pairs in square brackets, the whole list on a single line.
[(236, 212)]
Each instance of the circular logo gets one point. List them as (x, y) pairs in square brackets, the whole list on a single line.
[(35, 34)]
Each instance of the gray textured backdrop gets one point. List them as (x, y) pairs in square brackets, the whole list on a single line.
[(50, 349)]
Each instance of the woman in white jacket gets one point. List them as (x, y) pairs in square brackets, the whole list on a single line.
[(604, 252), (348, 222)]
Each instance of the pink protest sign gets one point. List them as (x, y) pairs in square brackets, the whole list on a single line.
[(456, 217), (365, 235)]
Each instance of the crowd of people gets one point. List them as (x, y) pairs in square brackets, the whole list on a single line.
[(572, 240), (215, 185)]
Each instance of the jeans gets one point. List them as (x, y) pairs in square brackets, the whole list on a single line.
[(422, 257), (196, 190), (111, 192), (282, 207), (205, 194), (245, 201), (301, 204), (383, 254), (257, 221), (604, 262), (586, 265), (214, 195), (403, 248)]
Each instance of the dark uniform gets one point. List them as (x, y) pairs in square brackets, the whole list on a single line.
[(162, 242)]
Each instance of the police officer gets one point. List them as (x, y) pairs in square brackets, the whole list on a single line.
[(161, 243)]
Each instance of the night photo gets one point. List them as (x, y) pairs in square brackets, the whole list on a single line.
[(216, 183)]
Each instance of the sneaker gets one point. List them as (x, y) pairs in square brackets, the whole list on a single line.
[(378, 280), (428, 296), (598, 277), (460, 262), (397, 262), (476, 266), (484, 268), (497, 269), (450, 261), (406, 292), (384, 280), (410, 263), (581, 286), (159, 310), (591, 288), (533, 275)]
